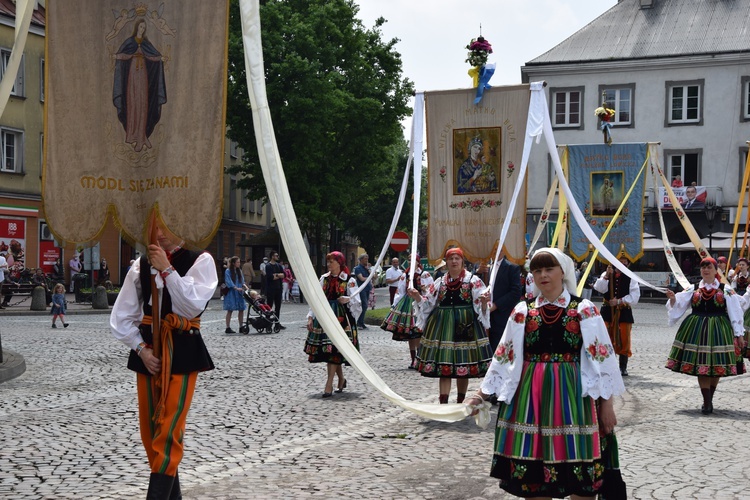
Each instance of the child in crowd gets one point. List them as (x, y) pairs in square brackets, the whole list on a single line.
[(58, 305)]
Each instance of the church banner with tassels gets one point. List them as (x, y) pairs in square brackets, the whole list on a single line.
[(473, 152), (600, 178), (135, 119)]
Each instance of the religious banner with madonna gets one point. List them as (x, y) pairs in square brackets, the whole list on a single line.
[(134, 103), (600, 177), (472, 153)]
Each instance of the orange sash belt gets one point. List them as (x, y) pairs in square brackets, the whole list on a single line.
[(169, 324)]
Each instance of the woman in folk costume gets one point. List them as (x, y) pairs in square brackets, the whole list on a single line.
[(709, 341), (454, 317), (739, 282), (400, 320), (555, 373), (339, 287), (741, 278)]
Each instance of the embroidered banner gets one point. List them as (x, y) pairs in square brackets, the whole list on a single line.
[(472, 153), (135, 117), (600, 175)]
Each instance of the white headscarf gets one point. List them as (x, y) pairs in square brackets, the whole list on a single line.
[(568, 269)]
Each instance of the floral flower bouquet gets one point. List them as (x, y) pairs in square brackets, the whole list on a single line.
[(606, 115)]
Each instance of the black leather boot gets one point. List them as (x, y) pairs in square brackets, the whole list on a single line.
[(624, 365), (159, 487), (176, 493)]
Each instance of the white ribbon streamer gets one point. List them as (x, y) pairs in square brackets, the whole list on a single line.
[(291, 235), (418, 118)]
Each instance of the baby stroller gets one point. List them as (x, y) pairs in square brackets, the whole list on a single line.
[(259, 315)]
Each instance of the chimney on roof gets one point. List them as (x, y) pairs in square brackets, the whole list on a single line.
[(646, 4)]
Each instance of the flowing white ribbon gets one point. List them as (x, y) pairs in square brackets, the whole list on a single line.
[(289, 229), (416, 130)]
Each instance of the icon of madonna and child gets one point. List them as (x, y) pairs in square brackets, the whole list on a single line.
[(479, 172)]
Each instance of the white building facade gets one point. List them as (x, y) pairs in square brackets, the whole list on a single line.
[(677, 72)]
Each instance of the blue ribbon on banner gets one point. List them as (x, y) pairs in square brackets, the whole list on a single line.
[(484, 77)]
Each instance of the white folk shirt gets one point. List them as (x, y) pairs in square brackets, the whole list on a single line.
[(189, 294)]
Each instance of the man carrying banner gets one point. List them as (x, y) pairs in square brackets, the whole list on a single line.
[(620, 294), (167, 370)]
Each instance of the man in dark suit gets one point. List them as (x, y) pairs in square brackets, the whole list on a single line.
[(692, 201), (505, 295)]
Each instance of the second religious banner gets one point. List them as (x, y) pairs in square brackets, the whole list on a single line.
[(600, 177), (473, 152), (135, 116)]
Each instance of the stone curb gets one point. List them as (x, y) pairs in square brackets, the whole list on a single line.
[(12, 366)]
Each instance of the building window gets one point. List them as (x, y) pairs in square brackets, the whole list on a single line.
[(41, 80), (260, 207), (233, 149), (251, 206), (12, 151), (567, 107), (243, 200), (745, 108), (686, 164), (685, 103), (18, 84), (619, 98)]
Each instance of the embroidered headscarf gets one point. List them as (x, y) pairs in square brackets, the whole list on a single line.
[(567, 266)]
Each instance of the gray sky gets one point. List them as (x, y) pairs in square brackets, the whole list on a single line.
[(434, 33)]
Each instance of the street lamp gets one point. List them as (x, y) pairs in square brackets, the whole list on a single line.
[(711, 209)]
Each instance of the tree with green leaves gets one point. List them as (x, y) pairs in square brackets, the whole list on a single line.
[(337, 98)]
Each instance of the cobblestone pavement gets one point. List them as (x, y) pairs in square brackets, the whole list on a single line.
[(258, 427)]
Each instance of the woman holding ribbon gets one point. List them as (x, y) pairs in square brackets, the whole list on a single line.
[(709, 341), (339, 287), (454, 317), (555, 373)]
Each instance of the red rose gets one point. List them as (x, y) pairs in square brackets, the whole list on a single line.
[(545, 357), (532, 325), (518, 318), (592, 350), (445, 370), (567, 357), (573, 327)]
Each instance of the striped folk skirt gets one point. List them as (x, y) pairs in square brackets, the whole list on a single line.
[(400, 320), (454, 344), (704, 345), (547, 438), (319, 347)]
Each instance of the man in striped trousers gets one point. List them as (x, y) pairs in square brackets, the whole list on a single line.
[(166, 373)]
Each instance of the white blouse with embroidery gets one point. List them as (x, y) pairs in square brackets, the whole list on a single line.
[(734, 305), (423, 309), (600, 373), (355, 302)]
